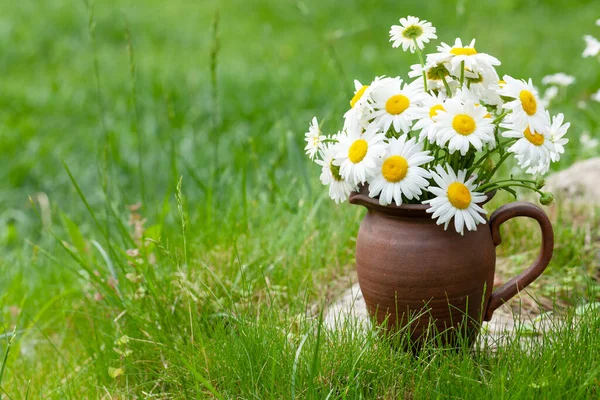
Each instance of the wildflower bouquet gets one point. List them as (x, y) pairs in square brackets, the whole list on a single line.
[(441, 138)]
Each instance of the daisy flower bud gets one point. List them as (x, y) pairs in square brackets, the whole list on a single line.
[(540, 183), (546, 199)]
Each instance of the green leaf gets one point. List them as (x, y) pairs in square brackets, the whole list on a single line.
[(77, 238)]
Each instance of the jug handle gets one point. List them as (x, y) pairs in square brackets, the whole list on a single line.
[(513, 286)]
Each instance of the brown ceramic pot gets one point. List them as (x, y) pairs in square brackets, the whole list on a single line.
[(417, 277)]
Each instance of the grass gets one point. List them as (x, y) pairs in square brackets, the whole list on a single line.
[(196, 110)]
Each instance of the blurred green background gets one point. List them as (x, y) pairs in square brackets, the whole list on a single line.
[(134, 95), (280, 63)]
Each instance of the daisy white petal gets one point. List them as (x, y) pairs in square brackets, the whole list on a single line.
[(314, 139), (556, 133), (339, 188)]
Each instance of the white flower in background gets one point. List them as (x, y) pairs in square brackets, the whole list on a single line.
[(592, 46), (455, 55), (399, 172), (533, 148), (313, 138), (425, 114), (394, 104), (526, 108), (412, 30), (598, 22), (339, 189), (455, 198), (549, 95), (559, 79), (596, 96), (587, 141), (357, 155), (463, 125), (556, 133)]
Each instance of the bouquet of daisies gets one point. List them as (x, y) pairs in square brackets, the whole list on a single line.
[(440, 138)]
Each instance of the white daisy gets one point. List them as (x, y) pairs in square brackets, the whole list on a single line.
[(549, 94), (456, 199), (526, 108), (556, 133), (484, 86), (425, 114), (587, 141), (357, 155), (412, 30), (559, 79), (399, 173), (339, 189), (596, 96), (462, 125), (394, 104), (532, 149), (592, 46), (313, 138), (457, 54)]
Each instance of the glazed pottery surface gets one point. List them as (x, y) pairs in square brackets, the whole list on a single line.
[(414, 275)]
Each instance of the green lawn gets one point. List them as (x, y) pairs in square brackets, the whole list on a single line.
[(197, 110)]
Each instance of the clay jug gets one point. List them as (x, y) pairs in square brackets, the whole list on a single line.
[(432, 283)]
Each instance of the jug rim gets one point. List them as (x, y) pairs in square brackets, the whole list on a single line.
[(361, 197)]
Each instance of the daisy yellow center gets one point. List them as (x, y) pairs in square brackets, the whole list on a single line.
[(459, 195), (412, 32), (359, 93), (433, 110), (535, 138), (394, 168), (397, 104), (464, 124), (528, 101), (358, 151), (463, 51)]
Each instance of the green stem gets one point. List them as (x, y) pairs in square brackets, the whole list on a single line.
[(422, 64), (491, 186), (499, 117), (448, 91), (502, 159), (513, 180), (462, 73)]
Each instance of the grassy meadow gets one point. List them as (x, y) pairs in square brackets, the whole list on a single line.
[(163, 235)]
